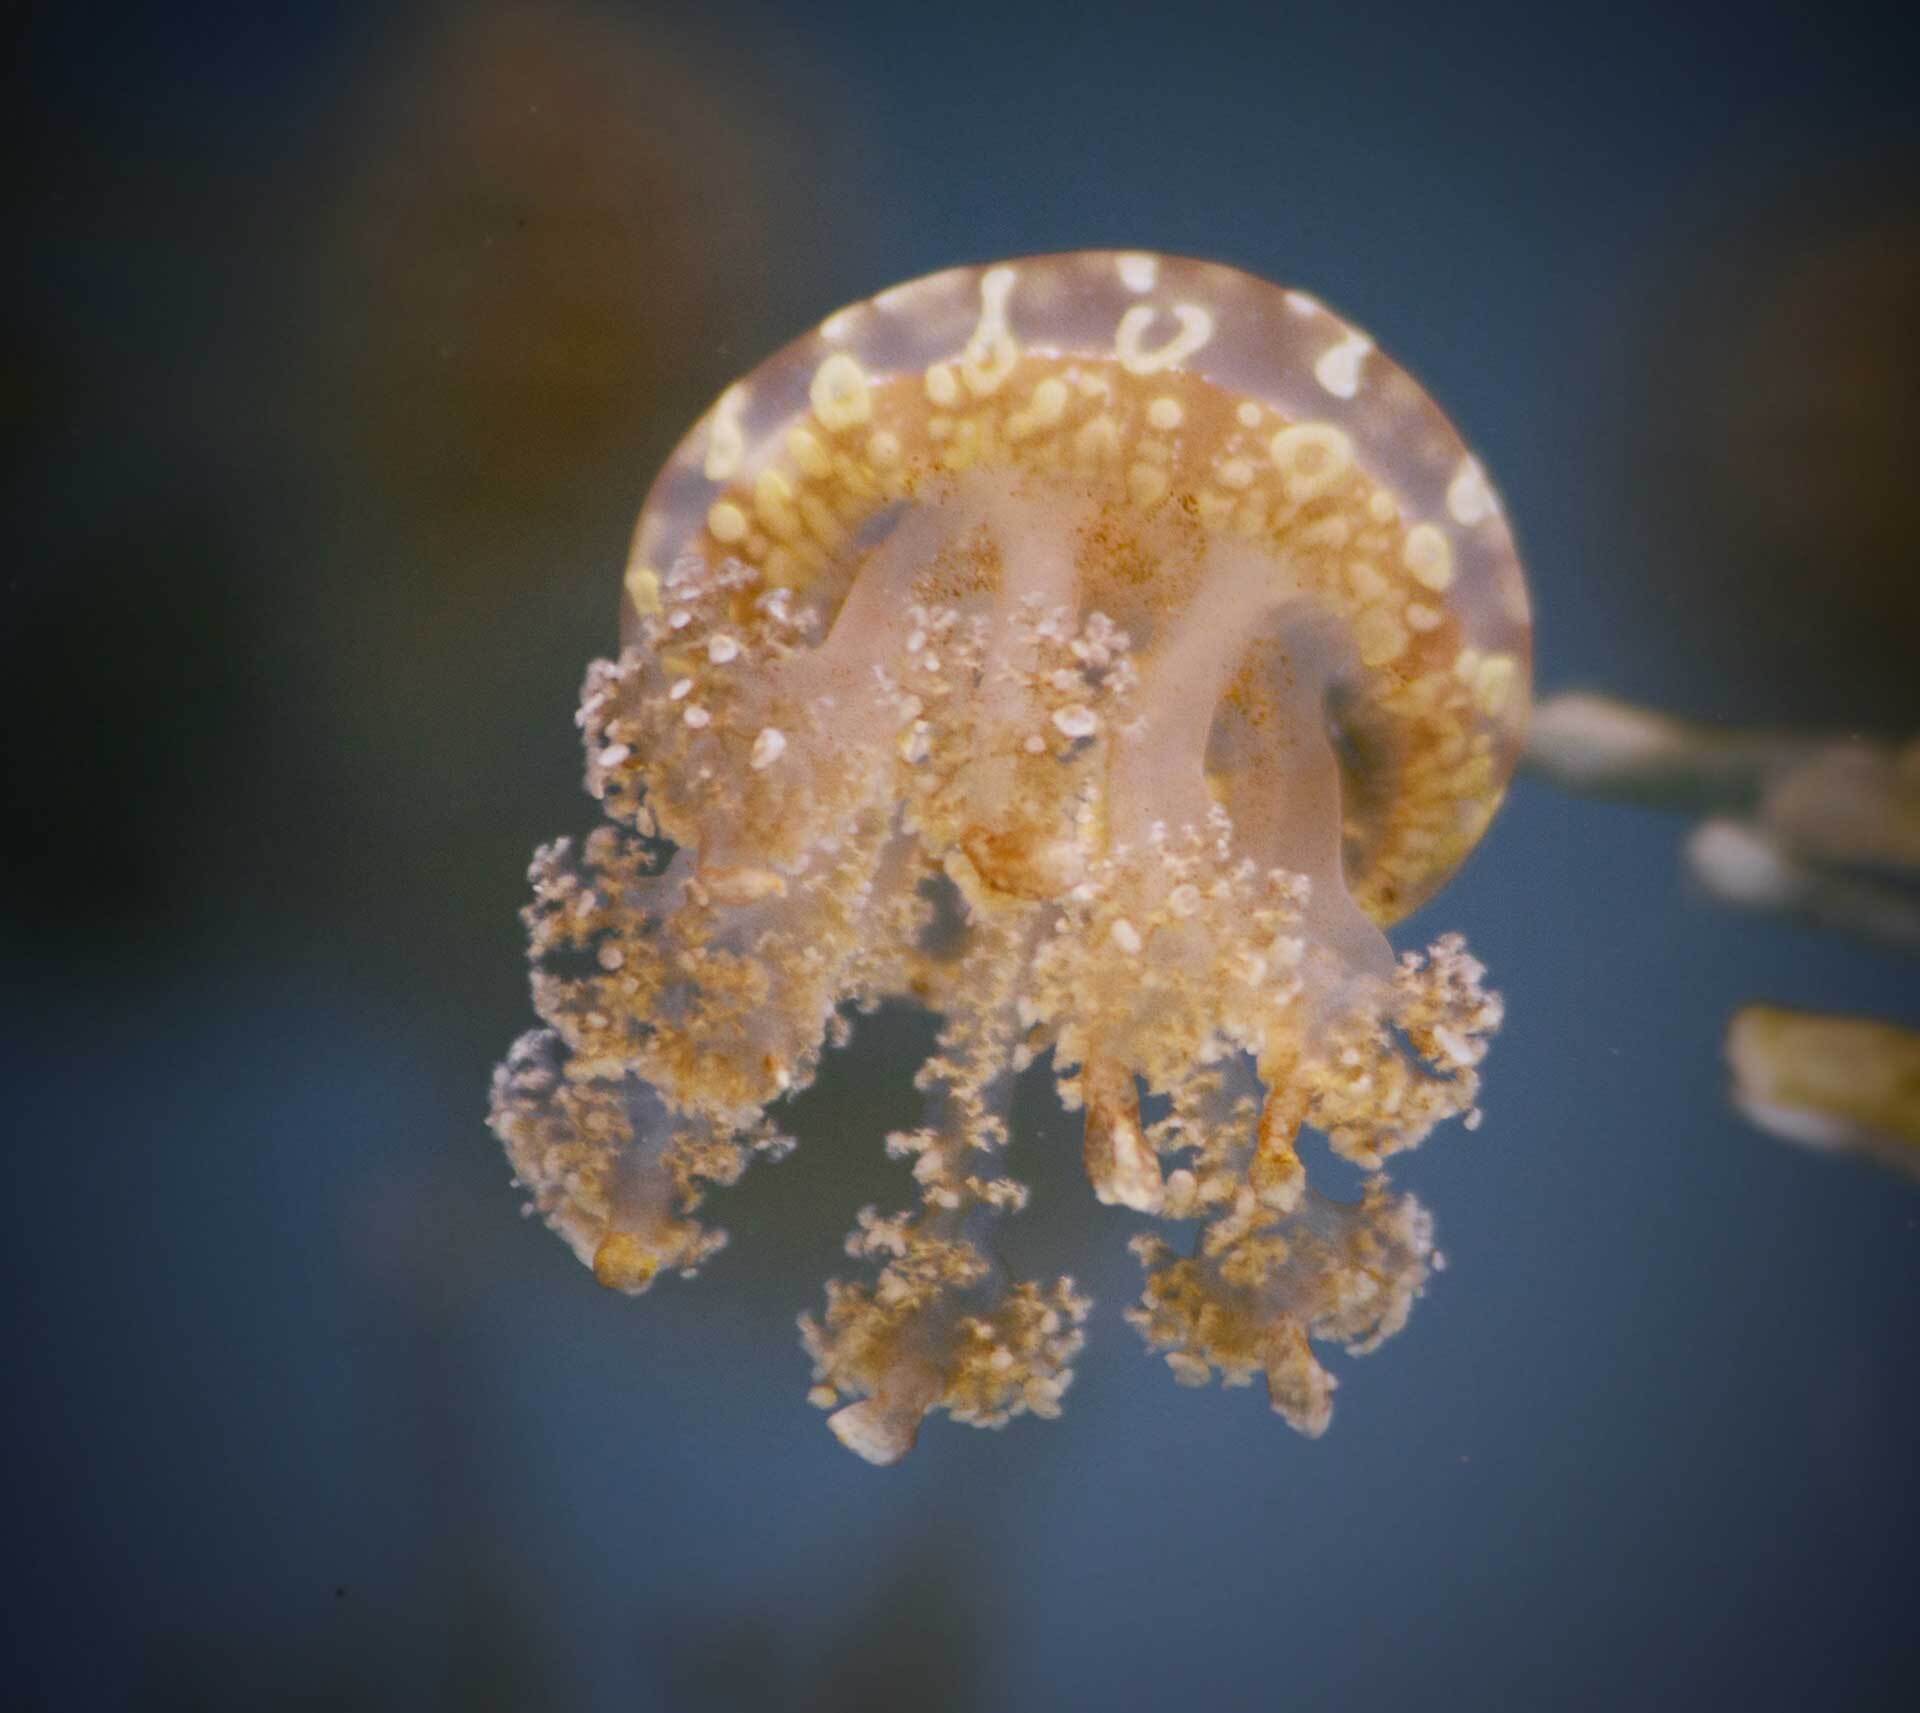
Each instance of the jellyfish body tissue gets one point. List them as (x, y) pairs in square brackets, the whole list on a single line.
[(1097, 650)]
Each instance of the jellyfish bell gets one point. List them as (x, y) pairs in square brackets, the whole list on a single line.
[(1101, 649), (1132, 430)]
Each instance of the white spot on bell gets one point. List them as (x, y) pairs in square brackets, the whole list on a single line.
[(1338, 369), (1469, 499)]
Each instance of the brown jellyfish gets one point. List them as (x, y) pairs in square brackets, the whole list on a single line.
[(1099, 649)]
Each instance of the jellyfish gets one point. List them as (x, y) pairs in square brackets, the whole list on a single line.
[(1099, 650)]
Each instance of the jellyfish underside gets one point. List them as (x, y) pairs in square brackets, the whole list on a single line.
[(952, 701)]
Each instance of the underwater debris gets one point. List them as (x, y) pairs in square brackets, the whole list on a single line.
[(1845, 1084), (1821, 828), (1827, 828), (1099, 650)]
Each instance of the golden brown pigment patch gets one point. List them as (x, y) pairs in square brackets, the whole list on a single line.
[(1140, 619)]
